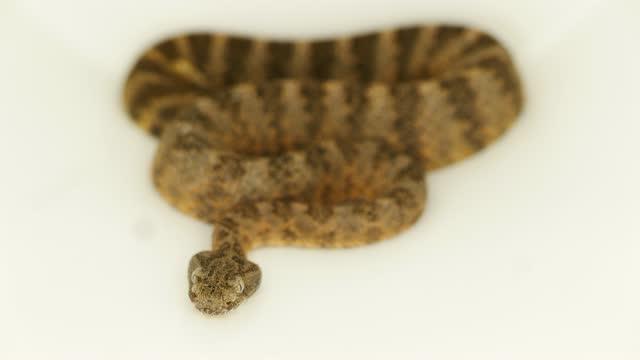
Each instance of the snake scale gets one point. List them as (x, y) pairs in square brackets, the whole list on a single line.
[(314, 143)]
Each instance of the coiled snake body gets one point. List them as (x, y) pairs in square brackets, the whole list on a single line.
[(312, 143)]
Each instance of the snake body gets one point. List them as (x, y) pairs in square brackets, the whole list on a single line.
[(320, 143)]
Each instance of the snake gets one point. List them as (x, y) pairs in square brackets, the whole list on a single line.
[(311, 142)]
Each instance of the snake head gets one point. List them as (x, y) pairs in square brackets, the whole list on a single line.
[(220, 280)]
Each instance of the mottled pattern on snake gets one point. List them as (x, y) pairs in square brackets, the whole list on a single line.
[(320, 143)]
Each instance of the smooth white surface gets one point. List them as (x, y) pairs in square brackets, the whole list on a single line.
[(527, 251)]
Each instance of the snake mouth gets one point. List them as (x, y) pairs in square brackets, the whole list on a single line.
[(210, 303), (207, 309), (213, 312)]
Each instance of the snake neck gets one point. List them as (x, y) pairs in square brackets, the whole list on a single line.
[(227, 241)]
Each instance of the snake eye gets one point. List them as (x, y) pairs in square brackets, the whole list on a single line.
[(196, 275), (238, 284)]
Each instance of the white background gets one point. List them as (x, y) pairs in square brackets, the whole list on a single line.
[(529, 250)]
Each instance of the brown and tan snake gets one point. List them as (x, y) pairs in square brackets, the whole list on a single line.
[(312, 143)]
